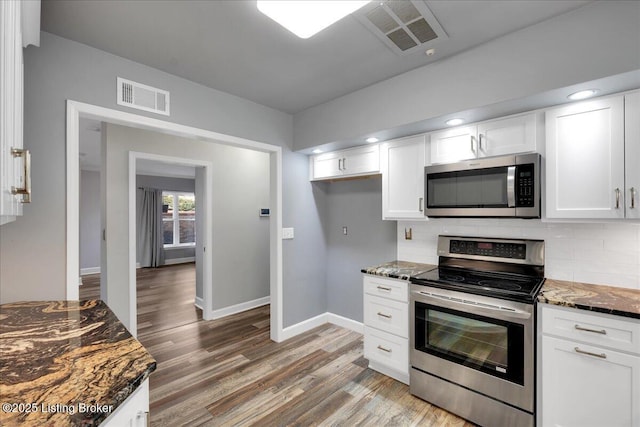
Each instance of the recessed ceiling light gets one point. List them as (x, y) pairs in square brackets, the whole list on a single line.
[(454, 122), (305, 18), (582, 94), (372, 139), (317, 151)]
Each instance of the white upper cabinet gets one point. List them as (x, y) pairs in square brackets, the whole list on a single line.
[(359, 161), (506, 136), (454, 144), (515, 134), (585, 165), (632, 154), (19, 27), (11, 74), (402, 165)]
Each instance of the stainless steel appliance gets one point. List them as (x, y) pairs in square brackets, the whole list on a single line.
[(505, 186), (473, 329)]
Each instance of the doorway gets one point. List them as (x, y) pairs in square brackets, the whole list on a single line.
[(124, 305)]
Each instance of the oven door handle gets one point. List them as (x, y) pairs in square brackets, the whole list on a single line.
[(477, 307)]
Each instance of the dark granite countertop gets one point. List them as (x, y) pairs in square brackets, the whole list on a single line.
[(398, 269), (603, 299), (66, 363)]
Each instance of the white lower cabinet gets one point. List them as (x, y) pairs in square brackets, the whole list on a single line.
[(386, 326), (134, 412), (590, 369)]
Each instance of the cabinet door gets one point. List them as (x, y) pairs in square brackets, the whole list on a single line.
[(402, 164), (584, 390), (507, 136), (455, 144), (632, 154), (133, 412), (326, 165), (585, 160), (10, 108), (361, 160)]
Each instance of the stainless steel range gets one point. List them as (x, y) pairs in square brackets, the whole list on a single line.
[(473, 329)]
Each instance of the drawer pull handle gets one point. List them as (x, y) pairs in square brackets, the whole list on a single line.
[(595, 331), (588, 353), (387, 316), (388, 350), (382, 288)]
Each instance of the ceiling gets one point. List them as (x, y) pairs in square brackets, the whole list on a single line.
[(230, 46)]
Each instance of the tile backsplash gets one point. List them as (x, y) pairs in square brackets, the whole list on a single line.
[(600, 253)]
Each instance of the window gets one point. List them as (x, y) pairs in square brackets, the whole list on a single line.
[(178, 219)]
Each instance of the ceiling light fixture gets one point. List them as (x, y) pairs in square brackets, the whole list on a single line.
[(454, 122), (372, 139), (583, 94), (317, 151), (308, 17)]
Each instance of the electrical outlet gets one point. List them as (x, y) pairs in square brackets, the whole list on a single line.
[(344, 230), (408, 233)]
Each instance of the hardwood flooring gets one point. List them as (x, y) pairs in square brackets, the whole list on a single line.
[(227, 372)]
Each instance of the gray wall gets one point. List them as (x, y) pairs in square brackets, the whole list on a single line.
[(167, 184), (599, 40), (90, 229), (239, 243), (369, 241), (33, 261)]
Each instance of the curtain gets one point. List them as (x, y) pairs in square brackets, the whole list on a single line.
[(150, 233)]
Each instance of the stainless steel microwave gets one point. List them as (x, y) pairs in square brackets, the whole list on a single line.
[(505, 186)]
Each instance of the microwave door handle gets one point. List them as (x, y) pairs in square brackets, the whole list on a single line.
[(511, 186)]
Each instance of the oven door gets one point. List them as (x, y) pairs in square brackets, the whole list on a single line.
[(475, 342)]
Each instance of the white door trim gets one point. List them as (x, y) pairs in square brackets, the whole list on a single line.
[(76, 109)]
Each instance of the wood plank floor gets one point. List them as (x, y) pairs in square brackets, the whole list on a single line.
[(227, 372)]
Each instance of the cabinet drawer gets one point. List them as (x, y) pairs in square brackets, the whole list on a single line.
[(598, 329), (387, 349), (387, 315), (386, 288)]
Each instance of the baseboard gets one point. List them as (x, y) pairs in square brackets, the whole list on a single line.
[(233, 309), (172, 261), (345, 322), (90, 270), (199, 302), (319, 320)]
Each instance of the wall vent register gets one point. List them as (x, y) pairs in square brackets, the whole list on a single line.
[(142, 97)]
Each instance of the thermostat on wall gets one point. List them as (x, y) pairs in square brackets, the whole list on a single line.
[(265, 212)]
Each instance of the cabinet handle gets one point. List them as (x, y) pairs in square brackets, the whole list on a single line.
[(472, 148), (633, 198), (386, 316), (588, 353), (344, 163), (388, 350), (339, 164), (617, 198), (382, 288), (480, 142), (421, 201), (595, 331), (26, 162)]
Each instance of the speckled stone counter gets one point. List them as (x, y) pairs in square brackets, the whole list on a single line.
[(603, 299), (66, 363), (399, 269)]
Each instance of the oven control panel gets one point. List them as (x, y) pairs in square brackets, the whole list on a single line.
[(491, 249)]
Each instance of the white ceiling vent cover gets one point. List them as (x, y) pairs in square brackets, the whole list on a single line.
[(143, 97), (406, 26)]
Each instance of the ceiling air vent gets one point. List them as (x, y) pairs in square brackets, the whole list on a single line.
[(406, 26), (143, 97)]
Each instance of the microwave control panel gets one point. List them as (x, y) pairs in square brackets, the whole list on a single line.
[(525, 191)]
